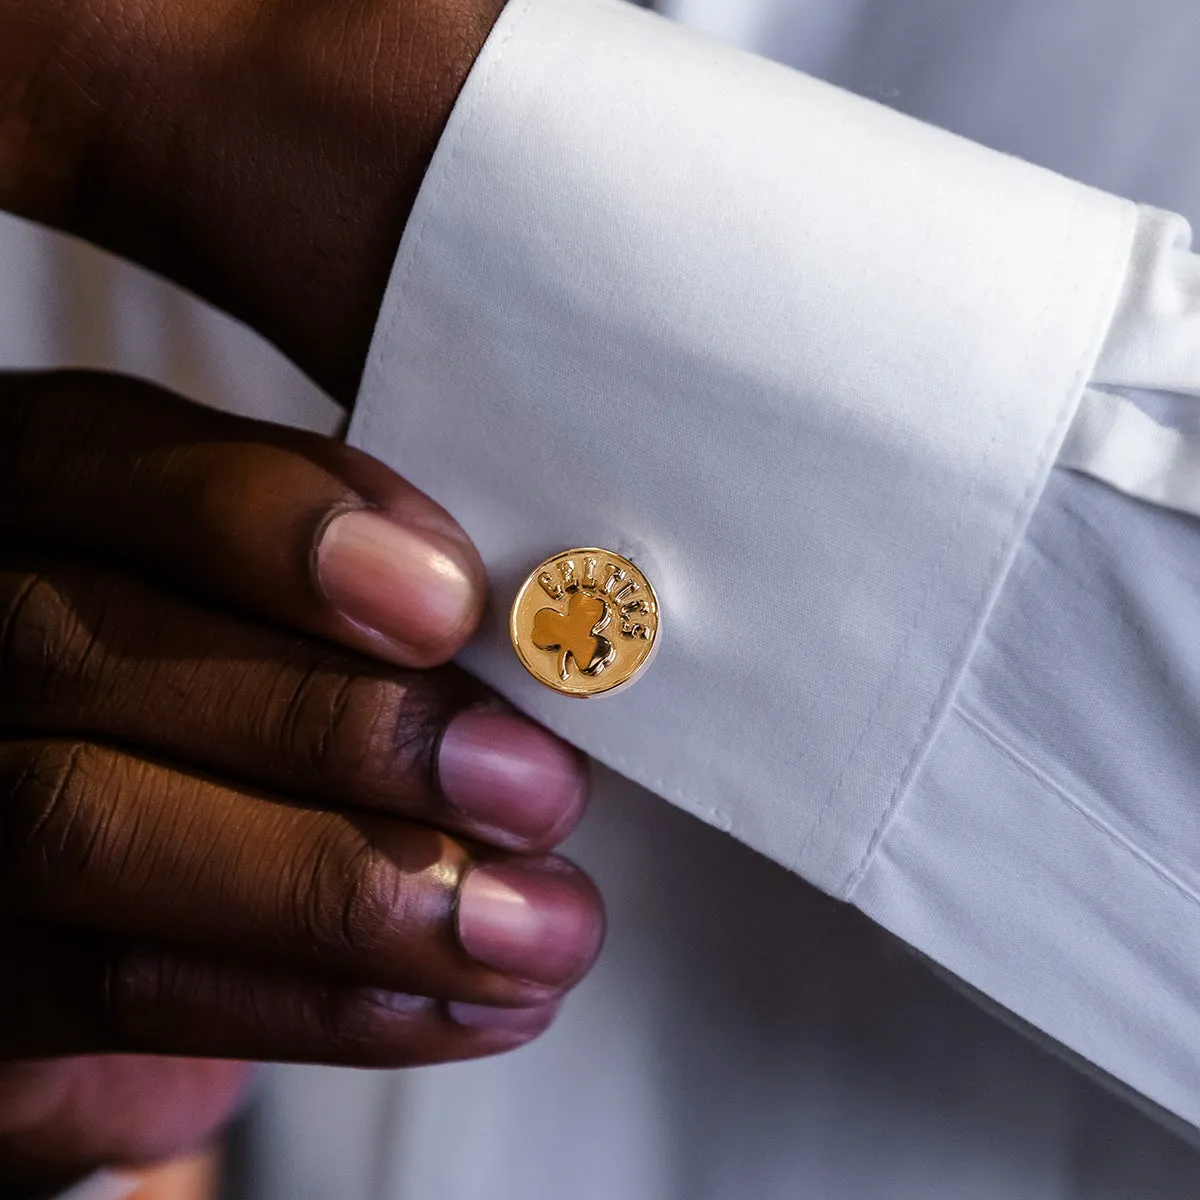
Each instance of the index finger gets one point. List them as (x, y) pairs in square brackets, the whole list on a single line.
[(287, 525)]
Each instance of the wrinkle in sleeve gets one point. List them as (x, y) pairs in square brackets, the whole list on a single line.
[(809, 363)]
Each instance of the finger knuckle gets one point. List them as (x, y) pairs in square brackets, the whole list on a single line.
[(45, 833), (349, 900), (364, 730), (355, 1023), (43, 639)]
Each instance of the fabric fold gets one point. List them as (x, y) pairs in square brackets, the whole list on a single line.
[(1148, 446)]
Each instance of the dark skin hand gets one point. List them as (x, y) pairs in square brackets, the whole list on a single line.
[(245, 810)]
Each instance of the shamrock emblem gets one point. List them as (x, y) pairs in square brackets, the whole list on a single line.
[(575, 634)]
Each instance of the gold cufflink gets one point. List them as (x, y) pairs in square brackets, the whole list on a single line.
[(585, 622)]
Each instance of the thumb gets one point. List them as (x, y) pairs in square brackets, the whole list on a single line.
[(285, 525)]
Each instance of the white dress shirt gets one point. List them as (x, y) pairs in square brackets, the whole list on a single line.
[(810, 364)]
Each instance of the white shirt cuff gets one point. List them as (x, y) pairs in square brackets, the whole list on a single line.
[(806, 361)]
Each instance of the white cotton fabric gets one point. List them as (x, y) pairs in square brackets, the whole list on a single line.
[(1114, 440), (811, 373)]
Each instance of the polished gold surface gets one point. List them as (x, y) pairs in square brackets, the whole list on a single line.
[(585, 622)]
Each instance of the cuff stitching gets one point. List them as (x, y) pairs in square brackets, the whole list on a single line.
[(997, 569)]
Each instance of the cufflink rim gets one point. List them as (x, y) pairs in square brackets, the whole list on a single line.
[(519, 635)]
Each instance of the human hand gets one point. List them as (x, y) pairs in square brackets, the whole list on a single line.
[(265, 155), (225, 832)]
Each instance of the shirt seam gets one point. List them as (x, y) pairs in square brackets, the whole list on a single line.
[(1006, 545), (839, 784), (985, 729)]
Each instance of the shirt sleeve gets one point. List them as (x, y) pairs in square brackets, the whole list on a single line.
[(809, 363)]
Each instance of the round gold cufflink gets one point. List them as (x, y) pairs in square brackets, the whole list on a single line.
[(585, 622)]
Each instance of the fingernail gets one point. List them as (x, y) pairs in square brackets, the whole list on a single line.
[(410, 586), (509, 774), (539, 922), (503, 1020)]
